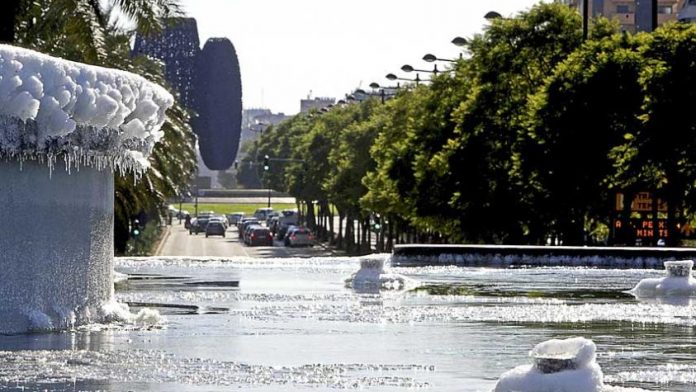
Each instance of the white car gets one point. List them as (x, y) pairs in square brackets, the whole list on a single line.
[(299, 236)]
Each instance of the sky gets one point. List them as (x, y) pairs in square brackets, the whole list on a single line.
[(289, 50)]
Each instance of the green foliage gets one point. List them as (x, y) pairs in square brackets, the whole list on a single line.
[(528, 136), (86, 31)]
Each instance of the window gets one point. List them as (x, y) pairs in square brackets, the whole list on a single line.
[(664, 9), (622, 9)]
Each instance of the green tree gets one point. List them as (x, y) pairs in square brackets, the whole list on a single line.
[(508, 65), (587, 108), (661, 156)]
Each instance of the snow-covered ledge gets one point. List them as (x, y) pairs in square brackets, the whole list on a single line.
[(56, 236)]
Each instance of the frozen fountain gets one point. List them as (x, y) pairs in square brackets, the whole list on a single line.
[(559, 366), (677, 283), (56, 237), (372, 277)]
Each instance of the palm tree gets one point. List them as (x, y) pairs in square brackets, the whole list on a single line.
[(81, 30), (81, 23)]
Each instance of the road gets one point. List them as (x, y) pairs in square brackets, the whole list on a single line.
[(180, 243)]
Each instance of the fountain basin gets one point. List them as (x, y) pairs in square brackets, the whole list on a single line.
[(56, 237), (57, 242)]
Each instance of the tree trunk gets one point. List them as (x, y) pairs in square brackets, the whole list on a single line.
[(339, 239), (357, 237), (332, 234), (9, 10), (390, 236), (380, 235), (311, 222)]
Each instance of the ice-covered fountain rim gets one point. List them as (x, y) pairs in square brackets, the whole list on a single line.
[(86, 114)]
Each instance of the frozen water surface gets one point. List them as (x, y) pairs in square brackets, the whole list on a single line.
[(292, 325)]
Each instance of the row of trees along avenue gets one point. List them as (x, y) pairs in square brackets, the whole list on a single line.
[(534, 134)]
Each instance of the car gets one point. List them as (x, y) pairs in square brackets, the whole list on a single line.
[(248, 230), (262, 213), (244, 220), (198, 225), (285, 220), (246, 223), (270, 216), (260, 236), (220, 219), (298, 236), (215, 227), (234, 217)]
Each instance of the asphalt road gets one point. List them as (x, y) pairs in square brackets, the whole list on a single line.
[(180, 243)]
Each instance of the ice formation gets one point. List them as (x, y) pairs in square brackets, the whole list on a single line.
[(372, 277), (677, 283), (56, 240), (89, 115), (559, 366)]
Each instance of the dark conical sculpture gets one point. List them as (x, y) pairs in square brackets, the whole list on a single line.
[(207, 81), (219, 103)]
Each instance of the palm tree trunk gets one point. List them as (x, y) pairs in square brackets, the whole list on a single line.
[(9, 10)]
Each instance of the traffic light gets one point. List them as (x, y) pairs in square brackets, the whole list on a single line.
[(266, 162), (135, 230)]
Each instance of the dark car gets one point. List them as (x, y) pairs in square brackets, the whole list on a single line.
[(215, 228), (248, 230), (245, 223), (260, 236), (198, 225)]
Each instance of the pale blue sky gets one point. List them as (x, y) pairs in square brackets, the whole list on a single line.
[(288, 48)]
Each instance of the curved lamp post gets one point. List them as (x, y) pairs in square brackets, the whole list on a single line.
[(459, 41), (383, 90), (491, 15), (430, 58), (408, 68), (394, 77)]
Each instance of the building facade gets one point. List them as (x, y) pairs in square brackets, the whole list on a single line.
[(315, 103), (633, 15)]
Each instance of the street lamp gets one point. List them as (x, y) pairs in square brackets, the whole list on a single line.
[(394, 77), (383, 90), (459, 41), (491, 15), (266, 166), (408, 68), (429, 58)]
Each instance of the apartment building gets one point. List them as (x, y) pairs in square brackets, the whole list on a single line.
[(636, 15)]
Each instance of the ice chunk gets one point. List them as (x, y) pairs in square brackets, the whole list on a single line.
[(106, 108), (133, 128), (33, 86), (23, 105)]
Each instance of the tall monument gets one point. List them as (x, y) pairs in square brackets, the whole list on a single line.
[(208, 82)]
